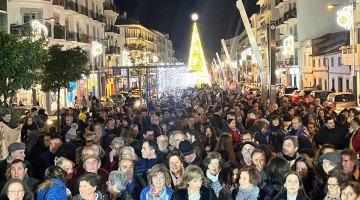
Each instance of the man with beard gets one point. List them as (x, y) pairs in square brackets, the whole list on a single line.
[(246, 151), (163, 143), (290, 148), (330, 134)]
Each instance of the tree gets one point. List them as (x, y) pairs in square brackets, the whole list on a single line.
[(20, 61), (63, 67)]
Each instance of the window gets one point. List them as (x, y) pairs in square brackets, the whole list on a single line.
[(339, 61), (332, 61), (313, 62), (28, 16), (324, 62), (319, 63)]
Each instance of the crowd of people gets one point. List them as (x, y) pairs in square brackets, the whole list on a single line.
[(203, 143)]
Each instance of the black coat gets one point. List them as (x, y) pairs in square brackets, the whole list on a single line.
[(205, 193)]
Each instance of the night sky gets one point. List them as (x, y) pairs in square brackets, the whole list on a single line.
[(217, 19)]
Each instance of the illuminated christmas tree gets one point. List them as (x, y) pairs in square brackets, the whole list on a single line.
[(197, 63)]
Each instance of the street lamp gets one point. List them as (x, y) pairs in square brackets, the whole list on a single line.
[(345, 19)]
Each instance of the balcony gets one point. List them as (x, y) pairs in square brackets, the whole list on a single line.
[(70, 5), (110, 6), (112, 28), (20, 30), (279, 3), (71, 36), (83, 38), (280, 22), (59, 3), (83, 10), (59, 32), (113, 50), (99, 17), (279, 43), (290, 15)]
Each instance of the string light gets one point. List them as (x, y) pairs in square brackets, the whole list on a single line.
[(170, 79)]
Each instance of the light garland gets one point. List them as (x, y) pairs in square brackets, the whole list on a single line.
[(170, 79)]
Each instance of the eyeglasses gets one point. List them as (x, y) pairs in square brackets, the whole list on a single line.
[(16, 192), (332, 185)]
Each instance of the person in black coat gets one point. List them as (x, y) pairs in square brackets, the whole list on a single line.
[(193, 180)]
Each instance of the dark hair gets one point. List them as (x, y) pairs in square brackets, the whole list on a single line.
[(351, 153), (153, 145), (217, 108), (203, 137), (175, 153), (356, 120), (276, 168), (311, 169), (254, 175), (340, 176), (16, 161), (354, 185), (226, 143), (340, 118), (92, 178), (54, 137), (4, 192), (301, 195), (328, 118)]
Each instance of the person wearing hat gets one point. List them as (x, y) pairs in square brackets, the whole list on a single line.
[(330, 161), (16, 151), (92, 164), (246, 150), (188, 152)]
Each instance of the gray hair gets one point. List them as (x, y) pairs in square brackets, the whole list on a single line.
[(60, 160), (132, 152), (118, 141), (293, 139), (118, 179)]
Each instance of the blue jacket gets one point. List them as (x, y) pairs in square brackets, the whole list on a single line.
[(55, 192), (169, 192)]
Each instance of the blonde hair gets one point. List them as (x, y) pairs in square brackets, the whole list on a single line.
[(193, 172), (159, 169), (92, 136)]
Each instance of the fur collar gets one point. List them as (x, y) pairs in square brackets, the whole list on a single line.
[(205, 193)]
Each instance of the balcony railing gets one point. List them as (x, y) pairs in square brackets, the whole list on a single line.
[(290, 14), (83, 10), (21, 30), (110, 6), (59, 2), (70, 5), (113, 50), (112, 28), (59, 32), (99, 17), (71, 36)]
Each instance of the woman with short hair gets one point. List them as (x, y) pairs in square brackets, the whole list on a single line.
[(117, 185), (16, 189), (88, 187), (176, 165), (194, 186), (249, 183), (350, 191), (159, 184)]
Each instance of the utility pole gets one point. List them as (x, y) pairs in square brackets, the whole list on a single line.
[(255, 48)]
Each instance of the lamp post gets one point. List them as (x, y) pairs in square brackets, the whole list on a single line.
[(346, 20)]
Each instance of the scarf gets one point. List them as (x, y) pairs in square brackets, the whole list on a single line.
[(152, 194), (212, 177), (177, 180)]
